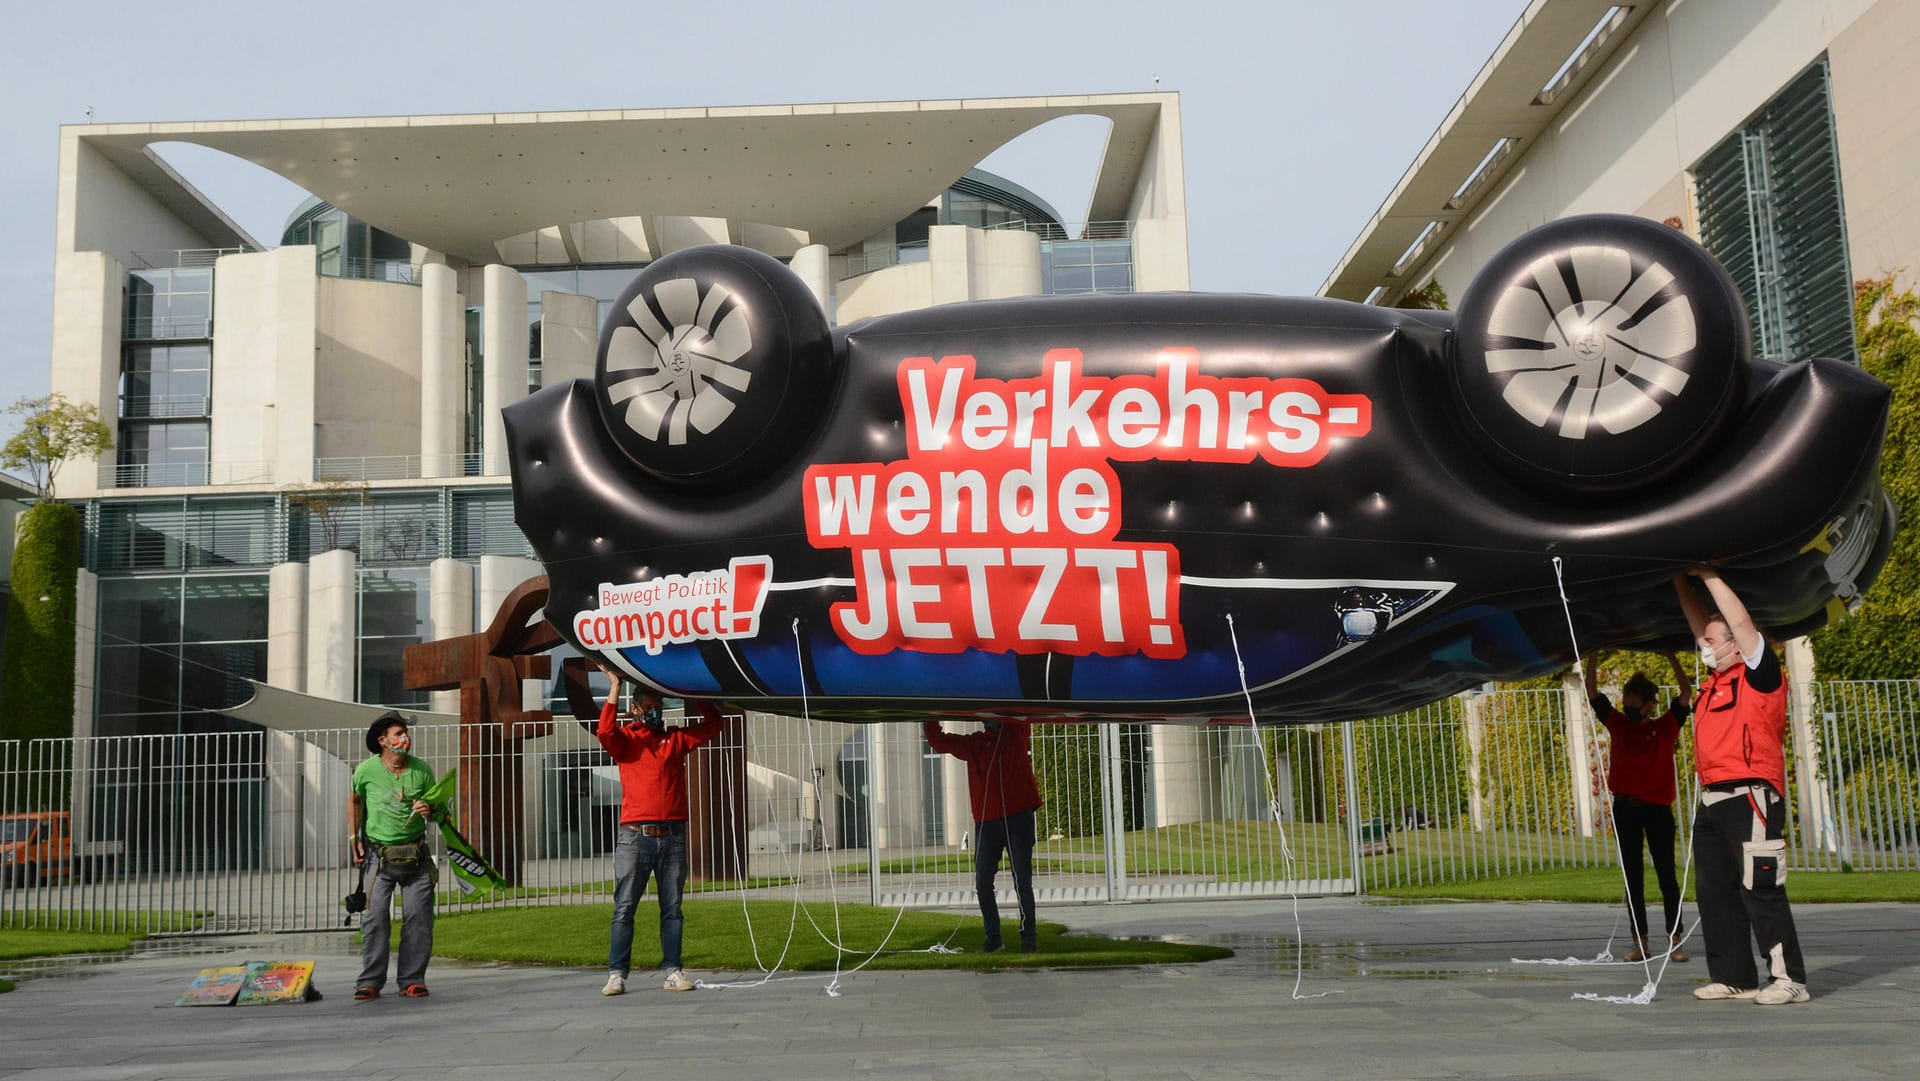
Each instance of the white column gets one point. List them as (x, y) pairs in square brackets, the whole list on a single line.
[(1180, 781), (286, 754), (503, 347), (893, 776), (569, 337), (958, 805), (86, 603), (332, 629), (443, 397), (1473, 709), (949, 264), (1579, 757), (287, 626), (1816, 798), (450, 612), (498, 577), (811, 264)]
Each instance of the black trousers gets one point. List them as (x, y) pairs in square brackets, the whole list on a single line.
[(1014, 836), (1635, 820), (1739, 847)]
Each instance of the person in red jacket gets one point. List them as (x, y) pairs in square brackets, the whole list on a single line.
[(652, 838), (1739, 829), (1640, 775), (1001, 787)]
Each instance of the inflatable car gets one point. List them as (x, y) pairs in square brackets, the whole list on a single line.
[(1138, 506)]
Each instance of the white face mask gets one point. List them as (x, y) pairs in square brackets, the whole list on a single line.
[(1710, 657)]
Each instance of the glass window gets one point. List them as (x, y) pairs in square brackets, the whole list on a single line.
[(216, 676), (140, 609), (141, 679), (1072, 279), (225, 608)]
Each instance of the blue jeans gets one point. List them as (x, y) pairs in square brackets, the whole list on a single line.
[(1014, 835), (635, 857)]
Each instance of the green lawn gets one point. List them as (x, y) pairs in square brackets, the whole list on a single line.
[(717, 939)]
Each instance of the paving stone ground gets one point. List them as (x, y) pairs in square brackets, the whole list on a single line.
[(1407, 991)]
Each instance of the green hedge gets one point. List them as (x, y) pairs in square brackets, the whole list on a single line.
[(1882, 639), (36, 676)]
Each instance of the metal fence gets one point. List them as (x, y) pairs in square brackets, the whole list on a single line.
[(246, 830)]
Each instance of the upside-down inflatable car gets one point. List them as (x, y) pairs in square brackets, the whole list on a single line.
[(1135, 506)]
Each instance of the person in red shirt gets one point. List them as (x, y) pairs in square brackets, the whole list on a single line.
[(1004, 795), (1739, 829), (1640, 774), (652, 838)]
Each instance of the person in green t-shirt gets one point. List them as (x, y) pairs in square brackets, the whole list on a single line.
[(388, 820)]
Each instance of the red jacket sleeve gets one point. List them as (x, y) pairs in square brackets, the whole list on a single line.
[(618, 743), (711, 724), (948, 743)]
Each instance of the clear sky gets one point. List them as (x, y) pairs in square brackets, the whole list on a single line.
[(1299, 115)]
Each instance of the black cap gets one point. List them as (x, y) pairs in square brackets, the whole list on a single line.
[(379, 728)]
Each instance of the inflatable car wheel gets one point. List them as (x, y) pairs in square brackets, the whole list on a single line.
[(1599, 354), (713, 366)]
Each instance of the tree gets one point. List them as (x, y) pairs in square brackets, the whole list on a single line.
[(1882, 639), (52, 430)]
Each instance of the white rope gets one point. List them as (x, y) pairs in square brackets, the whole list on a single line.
[(1651, 986), (1288, 866)]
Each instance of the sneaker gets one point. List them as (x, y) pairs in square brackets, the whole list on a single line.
[(1676, 953), (992, 945), (1716, 991), (1029, 945), (1782, 993), (677, 981), (616, 985)]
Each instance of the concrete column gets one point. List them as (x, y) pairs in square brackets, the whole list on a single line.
[(950, 264), (450, 612), (1473, 709), (1003, 263), (569, 337), (1160, 255), (811, 264), (332, 629), (1181, 787), (86, 606), (1816, 796), (89, 290), (957, 807), (287, 626), (893, 776), (443, 371), (503, 347), (1579, 750), (286, 753)]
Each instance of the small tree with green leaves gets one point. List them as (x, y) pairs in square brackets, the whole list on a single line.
[(53, 430)]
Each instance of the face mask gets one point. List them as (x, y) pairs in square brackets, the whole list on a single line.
[(651, 718), (402, 744), (1709, 657), (1633, 715)]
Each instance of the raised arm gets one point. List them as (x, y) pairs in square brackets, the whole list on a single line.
[(1739, 622), (1690, 604), (1680, 677), (1591, 679)]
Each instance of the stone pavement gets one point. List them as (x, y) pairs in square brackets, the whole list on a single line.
[(1418, 991)]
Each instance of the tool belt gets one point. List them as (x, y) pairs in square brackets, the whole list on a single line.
[(655, 829), (401, 862)]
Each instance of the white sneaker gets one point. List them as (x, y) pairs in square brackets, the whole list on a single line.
[(1782, 993), (677, 981), (1716, 991), (616, 985)]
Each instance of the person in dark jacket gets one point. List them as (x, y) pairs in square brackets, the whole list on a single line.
[(1640, 773), (1004, 795)]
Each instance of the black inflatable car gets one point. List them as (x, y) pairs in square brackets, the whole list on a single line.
[(1114, 506)]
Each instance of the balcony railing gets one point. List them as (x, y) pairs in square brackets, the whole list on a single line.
[(183, 474), (165, 406), (182, 257), (879, 258), (168, 327), (398, 271), (397, 467), (1083, 230)]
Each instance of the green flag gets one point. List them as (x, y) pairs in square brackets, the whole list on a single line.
[(471, 871)]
